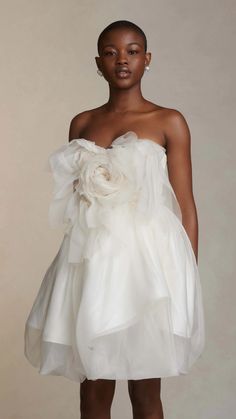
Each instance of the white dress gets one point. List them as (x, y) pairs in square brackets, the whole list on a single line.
[(122, 298)]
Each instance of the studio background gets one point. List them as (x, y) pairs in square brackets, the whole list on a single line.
[(48, 75)]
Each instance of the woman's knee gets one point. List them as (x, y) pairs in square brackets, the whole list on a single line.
[(145, 395), (96, 395)]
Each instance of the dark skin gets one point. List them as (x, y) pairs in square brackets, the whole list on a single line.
[(127, 110)]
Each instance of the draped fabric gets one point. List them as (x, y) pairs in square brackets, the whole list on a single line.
[(122, 298)]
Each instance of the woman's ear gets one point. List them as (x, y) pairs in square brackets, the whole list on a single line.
[(97, 59), (148, 58)]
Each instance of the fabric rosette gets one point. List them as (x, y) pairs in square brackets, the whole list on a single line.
[(106, 180), (95, 189)]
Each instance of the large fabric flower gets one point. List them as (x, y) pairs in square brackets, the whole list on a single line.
[(105, 180), (98, 192)]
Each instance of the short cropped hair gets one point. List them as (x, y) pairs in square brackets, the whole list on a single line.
[(122, 24)]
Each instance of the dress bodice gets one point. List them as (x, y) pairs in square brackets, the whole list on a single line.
[(93, 184)]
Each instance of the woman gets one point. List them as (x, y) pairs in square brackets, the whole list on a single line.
[(122, 298)]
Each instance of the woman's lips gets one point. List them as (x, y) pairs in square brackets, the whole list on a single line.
[(123, 74)]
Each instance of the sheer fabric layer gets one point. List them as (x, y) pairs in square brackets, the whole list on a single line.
[(122, 298)]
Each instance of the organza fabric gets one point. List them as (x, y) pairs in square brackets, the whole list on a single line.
[(122, 298)]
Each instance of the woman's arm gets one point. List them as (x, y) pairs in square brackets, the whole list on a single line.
[(178, 141)]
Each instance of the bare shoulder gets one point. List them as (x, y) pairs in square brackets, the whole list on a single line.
[(77, 123), (174, 117), (80, 121), (172, 125), (176, 128)]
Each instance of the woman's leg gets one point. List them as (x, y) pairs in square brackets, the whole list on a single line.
[(96, 398), (145, 396)]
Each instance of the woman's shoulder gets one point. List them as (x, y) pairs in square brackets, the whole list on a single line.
[(166, 120), (165, 112), (80, 121), (174, 119), (171, 119), (174, 115)]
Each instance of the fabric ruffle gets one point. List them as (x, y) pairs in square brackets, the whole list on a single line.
[(111, 184), (122, 298)]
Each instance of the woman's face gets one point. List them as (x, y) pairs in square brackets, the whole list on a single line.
[(122, 49)]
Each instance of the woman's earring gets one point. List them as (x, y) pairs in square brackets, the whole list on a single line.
[(99, 72), (147, 68)]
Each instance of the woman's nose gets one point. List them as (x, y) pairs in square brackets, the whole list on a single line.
[(122, 58)]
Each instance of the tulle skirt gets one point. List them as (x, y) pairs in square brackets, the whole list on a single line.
[(130, 309)]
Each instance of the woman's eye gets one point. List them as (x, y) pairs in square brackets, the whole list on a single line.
[(131, 52), (108, 53)]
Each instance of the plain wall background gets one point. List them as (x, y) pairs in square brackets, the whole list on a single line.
[(48, 74)]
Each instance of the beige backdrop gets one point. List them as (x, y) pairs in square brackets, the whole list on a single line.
[(48, 74)]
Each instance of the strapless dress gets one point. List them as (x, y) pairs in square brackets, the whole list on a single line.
[(122, 298)]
